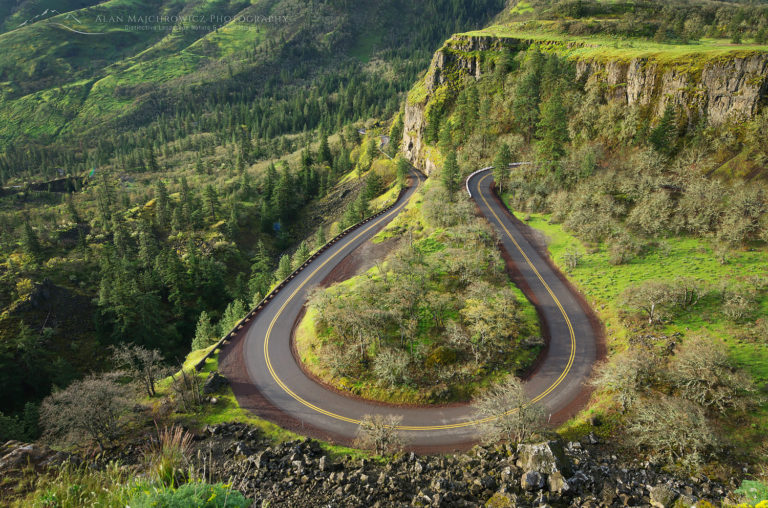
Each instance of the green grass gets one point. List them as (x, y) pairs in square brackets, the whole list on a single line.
[(227, 410), (602, 283), (522, 7), (602, 47)]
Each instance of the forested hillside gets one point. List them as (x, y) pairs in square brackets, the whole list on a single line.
[(140, 191)]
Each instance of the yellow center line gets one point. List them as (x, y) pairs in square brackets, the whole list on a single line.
[(469, 423)]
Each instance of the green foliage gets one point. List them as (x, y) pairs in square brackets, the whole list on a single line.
[(449, 175), (193, 495), (753, 491)]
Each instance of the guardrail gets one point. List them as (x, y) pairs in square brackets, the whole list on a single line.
[(511, 165), (248, 317)]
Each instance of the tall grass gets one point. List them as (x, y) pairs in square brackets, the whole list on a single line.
[(167, 457)]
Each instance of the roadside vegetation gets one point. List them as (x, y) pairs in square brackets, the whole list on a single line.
[(664, 237), (435, 321)]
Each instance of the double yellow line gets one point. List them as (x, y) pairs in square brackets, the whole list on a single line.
[(469, 423)]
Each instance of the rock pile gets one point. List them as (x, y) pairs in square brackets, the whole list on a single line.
[(300, 473)]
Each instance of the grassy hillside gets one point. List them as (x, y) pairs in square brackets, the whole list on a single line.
[(152, 72)]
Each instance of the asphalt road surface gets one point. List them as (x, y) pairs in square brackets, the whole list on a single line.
[(267, 380)]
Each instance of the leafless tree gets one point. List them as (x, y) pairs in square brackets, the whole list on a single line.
[(379, 433), (651, 298), (627, 375), (703, 372), (674, 429), (187, 387), (508, 413), (90, 408), (144, 365)]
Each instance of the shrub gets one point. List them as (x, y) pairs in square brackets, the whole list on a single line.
[(191, 495), (623, 249), (737, 305), (650, 298), (186, 387)]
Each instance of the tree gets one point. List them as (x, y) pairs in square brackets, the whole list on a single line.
[(141, 363), (211, 202), (525, 106), (627, 376), (30, 245), (674, 429), (324, 152), (90, 408), (703, 372), (205, 332), (501, 167), (511, 414), (391, 366), (235, 311), (284, 268), (651, 298), (320, 238), (552, 128), (301, 255), (402, 171), (379, 433), (449, 176), (662, 136)]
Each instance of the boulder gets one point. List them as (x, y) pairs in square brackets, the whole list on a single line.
[(532, 481), (556, 483), (15, 456), (214, 382), (545, 458)]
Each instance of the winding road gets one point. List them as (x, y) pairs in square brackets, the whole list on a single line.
[(267, 380)]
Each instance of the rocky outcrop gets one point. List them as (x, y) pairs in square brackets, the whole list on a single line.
[(300, 473), (718, 89)]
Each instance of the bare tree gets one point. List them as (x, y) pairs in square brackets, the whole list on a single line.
[(627, 375), (703, 372), (674, 429), (379, 433), (141, 363), (508, 413), (187, 387), (650, 298), (89, 408)]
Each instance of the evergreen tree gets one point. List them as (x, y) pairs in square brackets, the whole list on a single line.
[(324, 152), (449, 176), (662, 137), (402, 171), (211, 203), (301, 255), (30, 244), (283, 268), (501, 167), (552, 129), (320, 239), (162, 212)]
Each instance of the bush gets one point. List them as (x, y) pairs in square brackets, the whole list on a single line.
[(191, 495)]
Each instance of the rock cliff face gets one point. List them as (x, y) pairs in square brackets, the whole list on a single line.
[(718, 89)]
